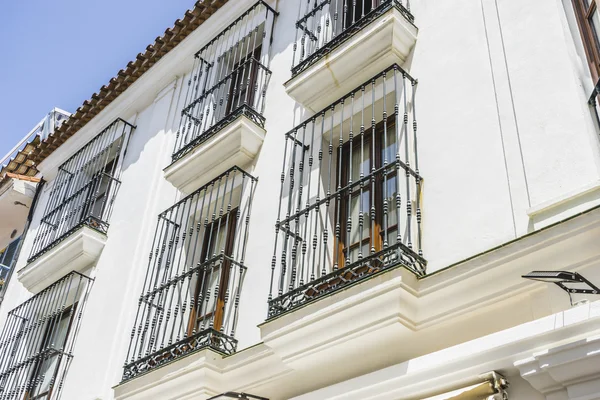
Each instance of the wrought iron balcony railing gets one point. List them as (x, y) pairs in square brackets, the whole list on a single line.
[(84, 189), (196, 269), (36, 346), (593, 103), (350, 201), (229, 78), (328, 23), (242, 92)]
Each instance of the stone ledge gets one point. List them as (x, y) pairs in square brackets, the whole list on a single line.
[(387, 40), (75, 253), (238, 143)]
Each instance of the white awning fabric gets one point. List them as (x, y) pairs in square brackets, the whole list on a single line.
[(486, 390)]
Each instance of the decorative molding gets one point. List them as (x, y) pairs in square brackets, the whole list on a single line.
[(570, 371), (238, 143), (387, 40), (75, 253)]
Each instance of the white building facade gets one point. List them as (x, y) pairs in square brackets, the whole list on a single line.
[(317, 200)]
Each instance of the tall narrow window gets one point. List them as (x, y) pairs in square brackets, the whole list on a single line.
[(36, 346), (359, 240), (84, 189), (350, 204), (588, 19), (219, 237), (195, 274)]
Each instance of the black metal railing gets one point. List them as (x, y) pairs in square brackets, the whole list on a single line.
[(242, 92), (36, 346), (196, 270), (326, 24), (593, 104), (84, 189), (350, 201), (229, 78)]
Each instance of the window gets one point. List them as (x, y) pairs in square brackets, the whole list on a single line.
[(54, 339), (229, 78), (195, 274), (84, 189), (351, 194), (588, 20), (219, 237), (367, 235), (36, 347), (7, 256), (243, 81)]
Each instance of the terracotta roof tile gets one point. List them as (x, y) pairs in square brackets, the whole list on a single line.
[(202, 10)]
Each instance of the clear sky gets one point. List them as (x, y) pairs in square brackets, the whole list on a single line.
[(57, 53)]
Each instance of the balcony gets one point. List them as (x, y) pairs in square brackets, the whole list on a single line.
[(222, 122), (90, 206), (339, 45), (37, 342), (350, 205), (196, 269), (73, 230)]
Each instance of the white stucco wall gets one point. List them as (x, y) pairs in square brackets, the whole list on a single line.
[(503, 127)]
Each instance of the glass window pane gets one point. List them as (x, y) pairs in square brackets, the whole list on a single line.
[(217, 238), (594, 21), (388, 144), (360, 164), (59, 334), (56, 338), (208, 296), (355, 206), (389, 192), (46, 375), (212, 282)]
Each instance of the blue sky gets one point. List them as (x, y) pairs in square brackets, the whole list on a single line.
[(57, 53)]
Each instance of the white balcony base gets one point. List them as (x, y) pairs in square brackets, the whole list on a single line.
[(319, 333), (387, 40), (75, 253), (236, 144)]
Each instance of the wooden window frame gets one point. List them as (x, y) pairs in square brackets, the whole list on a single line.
[(195, 317), (591, 41), (377, 239)]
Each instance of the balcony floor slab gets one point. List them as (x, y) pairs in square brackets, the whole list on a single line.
[(385, 41), (76, 252), (238, 143)]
